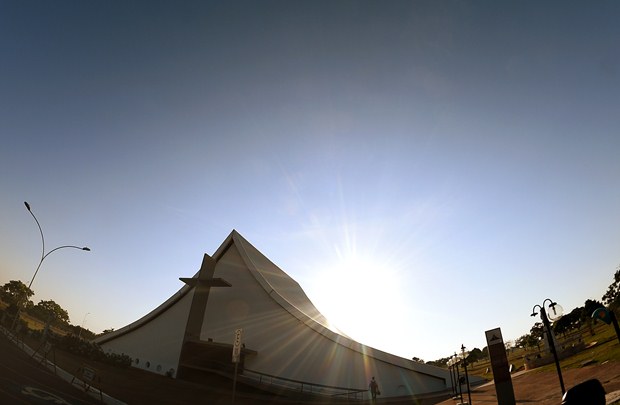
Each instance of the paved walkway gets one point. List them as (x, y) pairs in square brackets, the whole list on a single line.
[(543, 388)]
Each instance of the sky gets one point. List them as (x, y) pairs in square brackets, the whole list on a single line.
[(425, 170)]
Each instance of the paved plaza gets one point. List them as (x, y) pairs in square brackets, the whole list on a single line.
[(543, 388)]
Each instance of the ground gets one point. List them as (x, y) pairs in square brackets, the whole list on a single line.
[(137, 386), (538, 386), (543, 387)]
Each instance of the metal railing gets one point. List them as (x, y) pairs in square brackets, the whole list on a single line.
[(303, 387)]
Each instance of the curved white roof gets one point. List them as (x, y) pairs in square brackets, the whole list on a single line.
[(290, 296)]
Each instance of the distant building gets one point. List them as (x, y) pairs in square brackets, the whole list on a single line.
[(285, 338)]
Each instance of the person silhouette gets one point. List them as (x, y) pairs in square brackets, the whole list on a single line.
[(374, 388)]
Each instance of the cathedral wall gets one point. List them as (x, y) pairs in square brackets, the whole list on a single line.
[(156, 345), (289, 348), (284, 333)]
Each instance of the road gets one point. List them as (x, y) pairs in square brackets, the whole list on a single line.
[(23, 380)]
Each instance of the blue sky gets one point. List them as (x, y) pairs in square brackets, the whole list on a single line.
[(425, 170)]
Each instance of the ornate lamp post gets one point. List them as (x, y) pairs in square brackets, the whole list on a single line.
[(555, 315), (450, 364), (466, 375), (458, 377), (43, 255)]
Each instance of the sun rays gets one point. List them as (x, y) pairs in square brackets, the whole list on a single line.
[(361, 292)]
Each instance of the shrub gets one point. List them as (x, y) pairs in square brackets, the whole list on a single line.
[(89, 350)]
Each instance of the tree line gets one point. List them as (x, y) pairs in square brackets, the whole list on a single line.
[(574, 320), (16, 295)]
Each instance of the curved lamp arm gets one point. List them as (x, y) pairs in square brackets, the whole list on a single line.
[(40, 230), (43, 254), (52, 251)]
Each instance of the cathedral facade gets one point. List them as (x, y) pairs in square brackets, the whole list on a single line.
[(240, 294)]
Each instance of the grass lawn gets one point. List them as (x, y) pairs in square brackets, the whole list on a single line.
[(601, 347)]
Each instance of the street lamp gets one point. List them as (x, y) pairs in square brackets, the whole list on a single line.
[(43, 254), (450, 364), (544, 316), (458, 377), (82, 325), (466, 375)]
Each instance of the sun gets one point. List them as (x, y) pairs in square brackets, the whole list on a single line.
[(360, 296)]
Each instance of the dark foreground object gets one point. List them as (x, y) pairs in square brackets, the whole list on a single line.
[(589, 392), (24, 381)]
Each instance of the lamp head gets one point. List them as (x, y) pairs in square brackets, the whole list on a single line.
[(552, 306), (534, 313), (556, 311), (86, 249), (27, 205)]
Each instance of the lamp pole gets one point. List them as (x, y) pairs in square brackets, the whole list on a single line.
[(82, 325), (453, 385), (466, 375), (458, 377), (545, 319), (43, 255)]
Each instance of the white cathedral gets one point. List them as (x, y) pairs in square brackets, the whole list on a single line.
[(285, 341)]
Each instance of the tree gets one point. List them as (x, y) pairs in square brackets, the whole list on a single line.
[(16, 294), (568, 321), (443, 362), (589, 307), (83, 333), (612, 296), (537, 332), (523, 341), (475, 355), (51, 312)]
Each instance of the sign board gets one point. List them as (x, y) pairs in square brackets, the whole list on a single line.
[(236, 352), (88, 374), (602, 314), (494, 337), (501, 368)]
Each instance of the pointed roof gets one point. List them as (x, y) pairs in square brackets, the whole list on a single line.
[(279, 285), (289, 295)]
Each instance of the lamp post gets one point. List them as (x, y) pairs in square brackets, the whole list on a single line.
[(82, 325), (43, 255), (458, 377), (466, 375), (452, 383), (557, 314)]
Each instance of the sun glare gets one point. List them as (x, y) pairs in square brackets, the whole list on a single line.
[(360, 296)]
